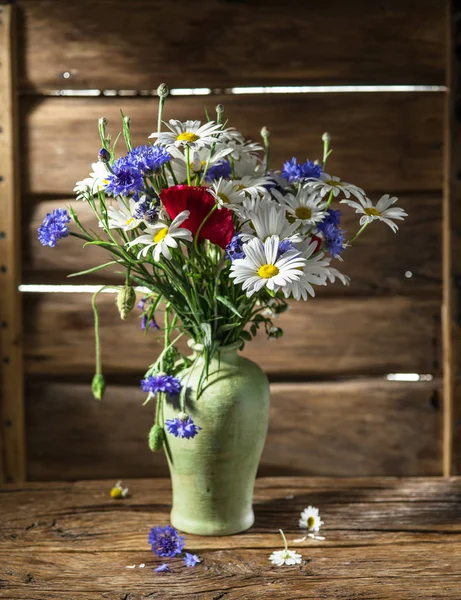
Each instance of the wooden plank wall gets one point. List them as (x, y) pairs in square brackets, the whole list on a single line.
[(334, 412)]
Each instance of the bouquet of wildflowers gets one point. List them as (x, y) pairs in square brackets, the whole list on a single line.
[(218, 239)]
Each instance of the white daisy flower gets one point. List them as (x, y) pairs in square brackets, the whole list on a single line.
[(334, 274), (226, 193), (285, 556), (198, 161), (263, 267), (191, 134), (383, 211), (97, 181), (329, 183), (248, 164), (306, 207), (117, 492), (314, 272), (310, 519), (123, 218), (161, 237), (253, 186), (269, 219), (238, 145)]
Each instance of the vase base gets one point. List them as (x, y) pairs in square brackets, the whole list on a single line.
[(194, 527)]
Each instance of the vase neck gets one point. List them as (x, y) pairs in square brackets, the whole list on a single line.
[(224, 353)]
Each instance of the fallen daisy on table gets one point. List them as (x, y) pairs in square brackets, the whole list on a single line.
[(310, 519), (118, 491), (285, 557)]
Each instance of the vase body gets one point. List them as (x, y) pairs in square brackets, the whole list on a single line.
[(213, 474)]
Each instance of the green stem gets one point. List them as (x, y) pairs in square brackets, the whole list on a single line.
[(188, 164), (157, 408), (161, 104), (201, 227), (330, 198), (358, 233), (96, 329), (284, 540)]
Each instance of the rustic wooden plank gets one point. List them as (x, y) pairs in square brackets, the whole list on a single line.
[(360, 336), (11, 369), (388, 141), (366, 427), (406, 263), (254, 43)]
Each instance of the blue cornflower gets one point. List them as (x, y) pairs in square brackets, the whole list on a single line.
[(104, 155), (333, 217), (221, 169), (125, 179), (145, 323), (182, 427), (161, 383), (145, 211), (293, 171), (234, 248), (165, 541), (190, 560), (163, 568), (333, 238), (148, 159), (284, 246), (54, 227)]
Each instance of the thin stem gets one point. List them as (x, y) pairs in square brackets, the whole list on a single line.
[(96, 329), (157, 408), (284, 540), (330, 198), (358, 232), (188, 164), (201, 226), (161, 104)]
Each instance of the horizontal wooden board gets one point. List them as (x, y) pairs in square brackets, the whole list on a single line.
[(322, 337), (389, 141), (365, 427), (104, 45), (379, 262)]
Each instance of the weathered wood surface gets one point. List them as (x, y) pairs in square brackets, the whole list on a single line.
[(365, 427), (103, 45), (385, 538), (12, 445), (345, 336), (407, 263), (388, 141)]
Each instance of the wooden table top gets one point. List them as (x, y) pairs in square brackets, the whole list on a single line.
[(385, 538)]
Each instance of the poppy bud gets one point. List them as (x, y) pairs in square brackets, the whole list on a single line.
[(156, 436), (126, 299), (98, 386)]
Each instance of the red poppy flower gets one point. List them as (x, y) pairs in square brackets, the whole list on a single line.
[(219, 226), (318, 240)]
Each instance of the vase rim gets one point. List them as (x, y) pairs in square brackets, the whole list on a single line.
[(229, 348)]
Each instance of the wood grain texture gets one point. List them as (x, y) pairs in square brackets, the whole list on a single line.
[(385, 538), (12, 448), (388, 141), (365, 427), (224, 44), (337, 337), (407, 263)]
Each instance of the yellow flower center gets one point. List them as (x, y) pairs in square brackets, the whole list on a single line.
[(223, 197), (116, 493), (187, 136), (333, 183), (302, 212), (268, 271), (310, 522), (240, 187), (130, 220), (372, 212), (160, 235)]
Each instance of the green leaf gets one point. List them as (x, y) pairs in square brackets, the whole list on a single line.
[(229, 305), (245, 335), (112, 262)]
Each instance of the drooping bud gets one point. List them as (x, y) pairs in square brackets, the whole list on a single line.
[(98, 386), (156, 437), (104, 155), (125, 300), (163, 90)]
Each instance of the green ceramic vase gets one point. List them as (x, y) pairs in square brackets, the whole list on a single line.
[(213, 474)]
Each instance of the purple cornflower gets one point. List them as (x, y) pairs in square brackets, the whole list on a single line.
[(165, 541), (182, 427), (148, 159), (54, 227), (285, 246), (161, 383), (125, 179), (220, 169), (333, 217), (293, 171), (190, 560), (163, 568), (234, 248), (145, 211), (104, 155), (146, 323), (333, 238)]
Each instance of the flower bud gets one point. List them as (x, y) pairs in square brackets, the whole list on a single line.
[(127, 119), (98, 386), (219, 109), (326, 137), (275, 332), (125, 300), (156, 436), (183, 416), (104, 155), (163, 90), (102, 122), (265, 133)]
